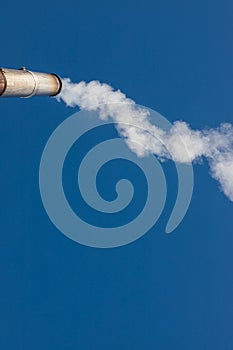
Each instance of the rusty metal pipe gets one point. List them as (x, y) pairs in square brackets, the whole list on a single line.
[(24, 83)]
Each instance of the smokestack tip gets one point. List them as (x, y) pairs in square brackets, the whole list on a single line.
[(59, 85)]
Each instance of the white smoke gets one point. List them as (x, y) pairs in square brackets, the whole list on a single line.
[(142, 137)]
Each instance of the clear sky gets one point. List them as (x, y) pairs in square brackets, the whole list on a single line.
[(161, 292)]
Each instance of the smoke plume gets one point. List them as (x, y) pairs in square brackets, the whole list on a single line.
[(142, 137)]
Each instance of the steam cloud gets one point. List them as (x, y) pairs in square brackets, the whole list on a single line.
[(180, 143)]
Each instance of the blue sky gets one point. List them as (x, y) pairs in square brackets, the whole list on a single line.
[(161, 292)]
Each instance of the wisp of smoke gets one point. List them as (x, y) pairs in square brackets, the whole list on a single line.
[(143, 138)]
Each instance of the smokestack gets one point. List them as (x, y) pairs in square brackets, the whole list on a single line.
[(24, 83)]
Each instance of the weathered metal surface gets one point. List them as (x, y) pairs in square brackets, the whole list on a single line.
[(24, 83)]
